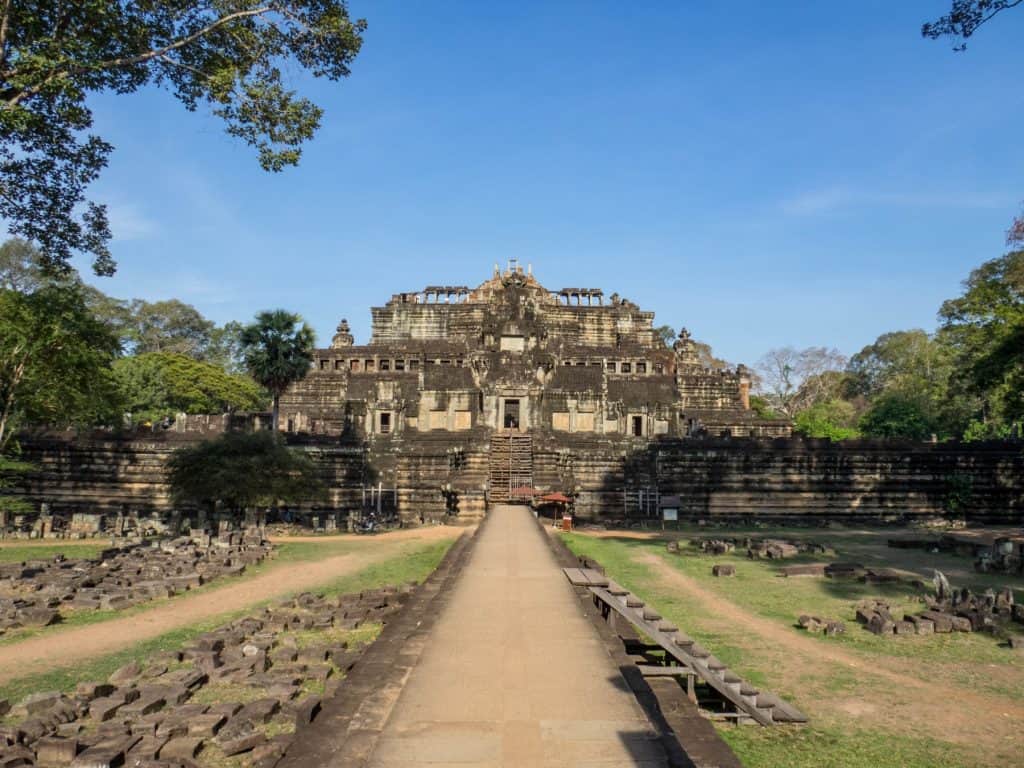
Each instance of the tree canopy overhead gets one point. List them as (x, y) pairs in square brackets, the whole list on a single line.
[(227, 55), (964, 19)]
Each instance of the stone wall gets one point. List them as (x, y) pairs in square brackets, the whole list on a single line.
[(790, 477), (434, 476)]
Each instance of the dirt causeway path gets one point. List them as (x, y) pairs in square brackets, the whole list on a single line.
[(513, 673), (923, 706), (66, 648)]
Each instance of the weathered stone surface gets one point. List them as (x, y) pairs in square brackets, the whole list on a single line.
[(242, 743), (184, 748), (52, 752), (942, 622), (723, 570)]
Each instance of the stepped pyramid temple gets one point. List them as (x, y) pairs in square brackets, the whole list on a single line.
[(520, 369)]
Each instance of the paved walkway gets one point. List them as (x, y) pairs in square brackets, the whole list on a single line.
[(513, 673)]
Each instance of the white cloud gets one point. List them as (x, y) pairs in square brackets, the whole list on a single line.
[(837, 198), (816, 201), (129, 222)]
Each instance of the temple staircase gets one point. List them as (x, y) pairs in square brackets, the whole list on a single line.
[(511, 464)]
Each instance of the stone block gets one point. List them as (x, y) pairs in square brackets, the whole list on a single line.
[(125, 674), (807, 569), (183, 748), (104, 709), (93, 690), (811, 623), (259, 711), (879, 625), (147, 749), (35, 703), (941, 622), (38, 616), (16, 756), (723, 570), (52, 752), (144, 705), (904, 628), (922, 625), (833, 628), (109, 753), (245, 742), (206, 725), (307, 710)]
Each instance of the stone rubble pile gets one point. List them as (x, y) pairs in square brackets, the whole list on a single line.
[(39, 592), (958, 611), (772, 549), (241, 689), (830, 627)]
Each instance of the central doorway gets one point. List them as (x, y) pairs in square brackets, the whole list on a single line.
[(511, 414)]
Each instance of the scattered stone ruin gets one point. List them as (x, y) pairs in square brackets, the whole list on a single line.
[(243, 690), (37, 593)]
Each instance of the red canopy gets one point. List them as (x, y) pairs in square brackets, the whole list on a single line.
[(556, 498)]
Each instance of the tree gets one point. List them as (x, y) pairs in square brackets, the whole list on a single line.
[(985, 330), (964, 19), (54, 361), (666, 333), (225, 347), (895, 414), (227, 55), (1015, 235), (919, 367), (834, 419), (20, 268), (793, 380), (155, 385), (168, 326), (278, 350), (242, 470)]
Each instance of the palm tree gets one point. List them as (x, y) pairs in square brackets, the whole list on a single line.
[(277, 350)]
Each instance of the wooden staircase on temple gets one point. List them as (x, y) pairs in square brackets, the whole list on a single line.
[(511, 464)]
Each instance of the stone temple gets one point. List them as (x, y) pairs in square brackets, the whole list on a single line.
[(512, 365), (467, 397)]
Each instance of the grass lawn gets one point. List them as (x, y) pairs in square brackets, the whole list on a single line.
[(860, 691), (16, 553), (411, 563)]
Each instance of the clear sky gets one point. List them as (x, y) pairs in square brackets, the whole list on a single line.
[(806, 173)]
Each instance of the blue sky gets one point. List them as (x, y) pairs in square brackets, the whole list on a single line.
[(766, 174)]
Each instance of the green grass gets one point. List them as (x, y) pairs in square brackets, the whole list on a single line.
[(813, 747), (17, 553), (832, 738), (412, 563)]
